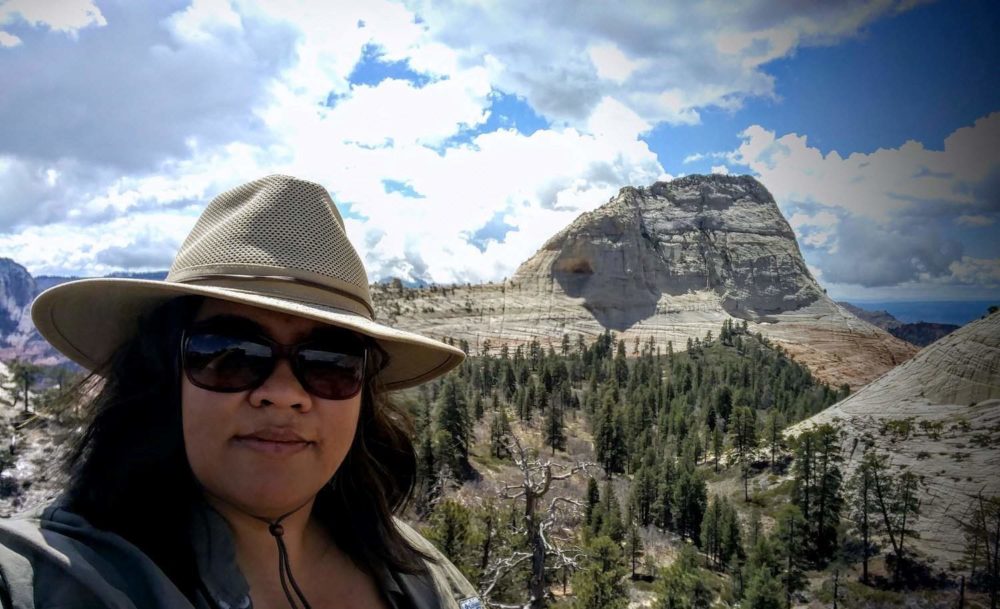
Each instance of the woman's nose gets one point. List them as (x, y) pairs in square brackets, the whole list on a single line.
[(281, 388)]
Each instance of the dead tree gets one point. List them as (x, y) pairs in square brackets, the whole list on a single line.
[(536, 481)]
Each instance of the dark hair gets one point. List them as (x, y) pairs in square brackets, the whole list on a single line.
[(129, 474)]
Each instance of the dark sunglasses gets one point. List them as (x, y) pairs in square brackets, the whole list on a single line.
[(227, 361)]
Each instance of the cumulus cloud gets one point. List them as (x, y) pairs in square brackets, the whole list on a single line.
[(964, 176), (976, 271), (140, 91), (67, 16), (879, 219), (670, 60)]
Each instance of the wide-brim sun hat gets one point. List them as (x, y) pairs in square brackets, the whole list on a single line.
[(277, 243)]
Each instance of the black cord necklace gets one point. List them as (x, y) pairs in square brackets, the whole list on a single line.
[(284, 565)]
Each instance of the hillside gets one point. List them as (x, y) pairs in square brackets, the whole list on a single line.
[(937, 415)]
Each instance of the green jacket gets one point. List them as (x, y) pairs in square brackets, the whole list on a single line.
[(54, 559)]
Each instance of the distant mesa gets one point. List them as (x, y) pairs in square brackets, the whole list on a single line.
[(921, 333)]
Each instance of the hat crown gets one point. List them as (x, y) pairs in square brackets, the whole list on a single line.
[(277, 227)]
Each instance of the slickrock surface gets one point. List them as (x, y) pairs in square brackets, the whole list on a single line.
[(671, 262), (939, 415)]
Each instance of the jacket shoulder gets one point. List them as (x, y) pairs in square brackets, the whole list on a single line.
[(454, 589)]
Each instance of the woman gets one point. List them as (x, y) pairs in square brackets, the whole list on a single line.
[(242, 451)]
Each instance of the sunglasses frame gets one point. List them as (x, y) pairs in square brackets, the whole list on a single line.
[(279, 351)]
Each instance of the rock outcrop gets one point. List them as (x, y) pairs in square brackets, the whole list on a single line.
[(699, 233), (667, 262), (18, 337), (938, 415)]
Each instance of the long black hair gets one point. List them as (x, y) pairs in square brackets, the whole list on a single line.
[(128, 473)]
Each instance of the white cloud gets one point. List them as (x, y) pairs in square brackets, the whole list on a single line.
[(566, 58), (720, 170), (976, 271), (881, 183), (66, 16), (883, 218), (8, 40), (820, 219), (199, 21), (611, 63)]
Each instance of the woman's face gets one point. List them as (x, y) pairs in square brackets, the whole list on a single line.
[(268, 450)]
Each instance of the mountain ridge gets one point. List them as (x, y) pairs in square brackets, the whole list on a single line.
[(667, 262)]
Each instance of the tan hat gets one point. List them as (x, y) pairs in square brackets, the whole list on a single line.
[(277, 243)]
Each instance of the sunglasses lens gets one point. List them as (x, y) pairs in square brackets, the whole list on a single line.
[(226, 363), (329, 374)]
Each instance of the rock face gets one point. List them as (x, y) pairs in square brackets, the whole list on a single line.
[(668, 262), (716, 234), (938, 415), (17, 334)]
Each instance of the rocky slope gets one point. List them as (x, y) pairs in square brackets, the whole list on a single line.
[(667, 262), (939, 415), (18, 337)]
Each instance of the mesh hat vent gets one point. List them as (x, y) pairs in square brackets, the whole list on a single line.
[(279, 222)]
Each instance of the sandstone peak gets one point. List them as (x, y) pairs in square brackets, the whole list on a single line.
[(667, 262), (723, 234)]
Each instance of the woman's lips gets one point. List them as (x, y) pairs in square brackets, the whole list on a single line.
[(273, 441)]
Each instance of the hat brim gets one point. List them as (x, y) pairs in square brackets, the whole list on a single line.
[(88, 319)]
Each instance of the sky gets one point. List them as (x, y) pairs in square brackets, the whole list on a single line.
[(457, 136)]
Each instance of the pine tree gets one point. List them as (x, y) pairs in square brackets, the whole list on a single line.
[(982, 535), (592, 501), (743, 439), (600, 584), (790, 535), (609, 441), (817, 489), (450, 530), (499, 433), (680, 586), (25, 375), (555, 429), (612, 526), (898, 505), (763, 591), (773, 425), (634, 545), (711, 537), (453, 428), (863, 509)]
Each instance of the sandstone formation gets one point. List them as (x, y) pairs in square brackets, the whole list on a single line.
[(667, 262), (938, 415), (18, 337)]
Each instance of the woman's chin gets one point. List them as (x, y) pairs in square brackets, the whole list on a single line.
[(267, 501)]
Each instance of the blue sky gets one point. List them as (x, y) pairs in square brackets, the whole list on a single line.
[(457, 138)]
